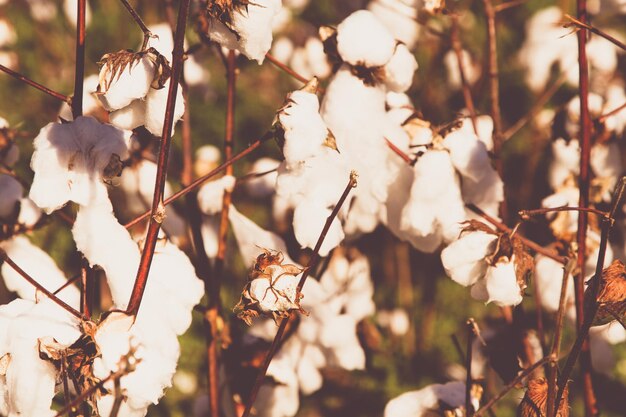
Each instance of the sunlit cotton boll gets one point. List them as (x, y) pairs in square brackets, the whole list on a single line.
[(399, 17), (253, 27), (471, 70), (156, 103), (549, 278), (400, 69), (363, 40), (501, 284), (265, 185), (90, 102), (7, 33), (419, 403), (565, 163), (308, 221), (464, 259), (129, 117), (211, 194), (119, 89)]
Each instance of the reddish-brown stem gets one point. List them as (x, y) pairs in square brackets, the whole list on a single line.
[(5, 257), (289, 71), (502, 227), (469, 408), (458, 52), (283, 324), (196, 183), (611, 113), (79, 73), (399, 152), (511, 385), (583, 201), (34, 84), (85, 394), (66, 390), (507, 5), (158, 208), (583, 25), (524, 214), (67, 283), (146, 32), (87, 287)]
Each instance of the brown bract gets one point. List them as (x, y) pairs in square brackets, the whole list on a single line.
[(224, 11), (534, 403), (117, 62), (612, 294)]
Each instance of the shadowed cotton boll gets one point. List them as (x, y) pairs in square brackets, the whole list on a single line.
[(90, 103), (308, 222), (400, 69), (156, 102), (211, 194), (464, 259), (363, 40), (549, 277), (419, 403), (118, 88), (263, 186), (11, 191)]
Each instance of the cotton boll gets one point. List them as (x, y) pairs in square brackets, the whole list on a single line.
[(363, 40), (308, 221), (277, 400), (471, 71), (399, 17), (211, 194), (566, 161), (316, 58), (400, 69), (90, 103), (606, 161), (207, 158), (129, 117), (309, 377), (397, 320), (39, 265), (417, 403), (156, 102), (7, 33), (254, 29), (70, 7), (549, 278), (487, 194), (264, 186), (468, 155), (501, 284), (11, 191), (210, 235), (42, 10), (283, 49), (70, 160), (29, 213), (464, 259), (163, 40), (119, 89)]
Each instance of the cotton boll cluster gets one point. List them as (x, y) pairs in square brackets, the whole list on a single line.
[(244, 26), (134, 88), (476, 259), (449, 396)]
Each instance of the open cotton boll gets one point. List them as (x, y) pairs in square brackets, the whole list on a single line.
[(263, 186), (283, 49), (308, 221), (70, 161), (471, 70), (39, 265), (363, 40), (549, 277), (464, 259), (90, 103), (277, 400), (156, 101), (566, 161), (432, 397), (339, 334), (11, 192), (468, 155), (211, 194), (278, 293), (399, 17), (129, 117), (29, 213), (400, 69), (253, 28), (606, 161), (7, 33), (119, 87), (501, 284), (487, 193)]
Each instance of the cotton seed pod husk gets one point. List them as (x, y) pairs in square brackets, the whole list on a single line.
[(534, 403), (612, 294), (224, 10)]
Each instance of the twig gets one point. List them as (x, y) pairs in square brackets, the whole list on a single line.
[(67, 283), (196, 183), (507, 5), (469, 408), (66, 390), (283, 324), (511, 385), (289, 71), (591, 305), (457, 48), (613, 112), (5, 257), (158, 208), (85, 394), (399, 152), (36, 85), (146, 32), (526, 214), (583, 25), (119, 397), (79, 73)]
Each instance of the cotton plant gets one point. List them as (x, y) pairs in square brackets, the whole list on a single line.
[(495, 266), (133, 87), (243, 25), (437, 398)]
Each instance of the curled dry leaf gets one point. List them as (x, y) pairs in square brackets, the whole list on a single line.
[(612, 294), (271, 289), (534, 403)]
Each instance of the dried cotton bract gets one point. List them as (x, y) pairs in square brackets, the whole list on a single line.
[(271, 289)]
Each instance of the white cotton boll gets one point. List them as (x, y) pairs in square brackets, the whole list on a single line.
[(254, 28), (606, 161), (566, 161), (156, 102), (417, 403), (70, 159), (7, 33), (283, 49), (11, 191), (398, 100), (90, 103), (602, 54), (163, 40), (549, 278), (105, 242), (117, 90), (7, 313), (39, 265), (316, 57), (400, 69), (264, 186), (185, 382), (42, 10), (129, 117), (464, 259), (487, 193), (469, 155), (29, 213), (471, 71), (309, 377), (207, 158), (501, 284), (278, 293), (70, 7), (210, 236), (211, 194), (309, 219), (399, 18), (397, 320), (363, 40), (9, 60), (277, 401)]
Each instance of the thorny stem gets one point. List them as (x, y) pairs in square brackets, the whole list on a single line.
[(591, 307), (457, 48), (158, 208), (556, 341), (35, 84), (146, 32), (583, 201), (310, 266), (511, 385), (196, 183), (469, 410), (79, 74), (582, 25), (5, 257), (526, 214)]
